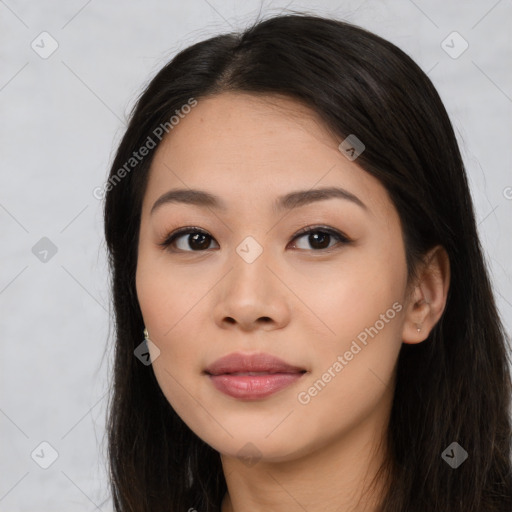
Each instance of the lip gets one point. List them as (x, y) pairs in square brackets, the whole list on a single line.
[(274, 374), (238, 362)]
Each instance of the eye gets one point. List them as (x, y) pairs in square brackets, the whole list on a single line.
[(198, 240), (319, 237)]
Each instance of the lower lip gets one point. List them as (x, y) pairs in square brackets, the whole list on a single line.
[(253, 387)]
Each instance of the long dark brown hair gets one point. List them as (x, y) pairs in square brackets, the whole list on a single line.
[(454, 387)]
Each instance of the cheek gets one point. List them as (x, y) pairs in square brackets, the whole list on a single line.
[(166, 296), (364, 312), (353, 370), (169, 306), (363, 289)]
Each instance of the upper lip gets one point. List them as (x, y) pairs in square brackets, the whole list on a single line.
[(239, 363)]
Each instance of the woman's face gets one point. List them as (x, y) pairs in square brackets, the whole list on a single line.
[(244, 281)]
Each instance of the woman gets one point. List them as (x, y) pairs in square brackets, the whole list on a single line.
[(289, 223)]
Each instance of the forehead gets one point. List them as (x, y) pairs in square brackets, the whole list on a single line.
[(249, 148), (242, 126)]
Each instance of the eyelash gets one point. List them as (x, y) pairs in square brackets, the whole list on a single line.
[(342, 239)]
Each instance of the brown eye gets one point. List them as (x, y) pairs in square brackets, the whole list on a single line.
[(188, 240), (320, 238)]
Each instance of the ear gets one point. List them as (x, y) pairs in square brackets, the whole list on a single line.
[(428, 296)]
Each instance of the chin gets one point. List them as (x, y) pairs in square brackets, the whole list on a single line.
[(253, 448)]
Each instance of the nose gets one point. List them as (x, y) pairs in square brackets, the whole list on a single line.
[(252, 297)]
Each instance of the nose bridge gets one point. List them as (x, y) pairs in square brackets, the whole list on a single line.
[(250, 291), (250, 278)]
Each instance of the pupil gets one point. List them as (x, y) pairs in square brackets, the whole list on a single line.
[(195, 237), (323, 236)]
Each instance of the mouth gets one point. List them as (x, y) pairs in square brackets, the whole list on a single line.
[(239, 363), (252, 377)]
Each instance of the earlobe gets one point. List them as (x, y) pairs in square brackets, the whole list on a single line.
[(428, 299)]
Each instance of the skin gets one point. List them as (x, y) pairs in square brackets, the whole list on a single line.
[(299, 302)]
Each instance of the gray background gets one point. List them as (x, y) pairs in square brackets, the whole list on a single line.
[(62, 117)]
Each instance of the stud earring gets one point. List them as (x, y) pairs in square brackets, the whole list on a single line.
[(418, 328)]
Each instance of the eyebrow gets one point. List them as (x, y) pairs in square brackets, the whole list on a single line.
[(287, 202)]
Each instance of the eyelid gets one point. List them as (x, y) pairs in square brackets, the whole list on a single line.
[(323, 229)]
